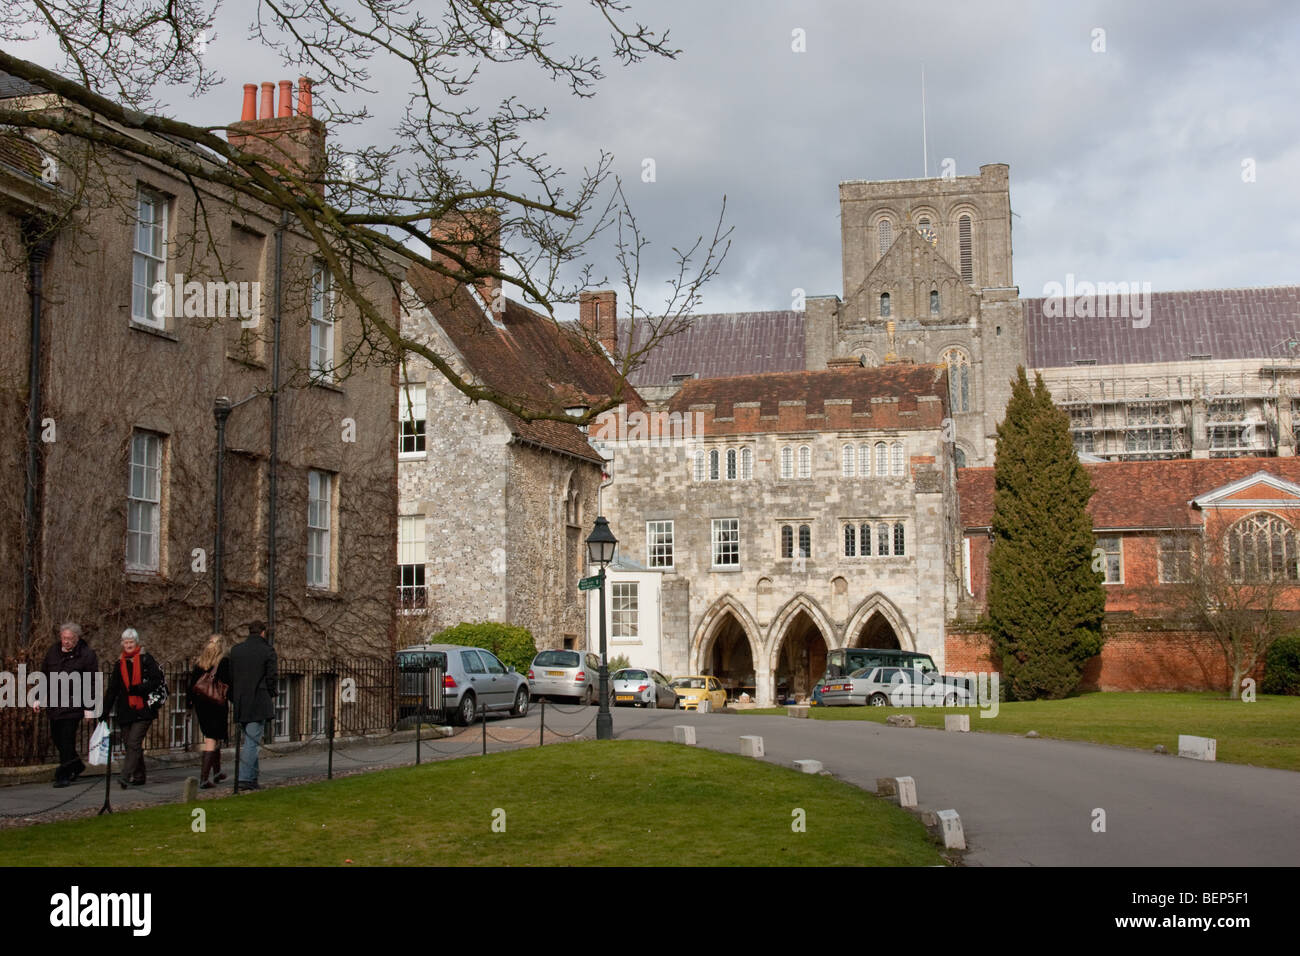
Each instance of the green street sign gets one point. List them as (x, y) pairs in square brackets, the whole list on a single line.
[(589, 584)]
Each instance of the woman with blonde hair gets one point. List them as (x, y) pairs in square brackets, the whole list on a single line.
[(208, 696)]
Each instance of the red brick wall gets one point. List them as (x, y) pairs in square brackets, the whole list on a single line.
[(1133, 658)]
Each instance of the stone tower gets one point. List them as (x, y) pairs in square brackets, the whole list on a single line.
[(927, 278)]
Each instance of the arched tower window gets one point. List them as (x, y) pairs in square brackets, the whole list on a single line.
[(965, 249), (885, 232), (884, 305), (958, 379), (959, 456), (934, 301)]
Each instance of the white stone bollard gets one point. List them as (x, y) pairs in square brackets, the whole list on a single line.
[(808, 766), (957, 722), (950, 826), (684, 734), (751, 746), (906, 787), (1197, 748)]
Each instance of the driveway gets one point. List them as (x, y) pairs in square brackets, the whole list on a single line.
[(1031, 802)]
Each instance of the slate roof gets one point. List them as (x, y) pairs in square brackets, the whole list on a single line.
[(902, 383), (528, 357), (1135, 494), (11, 85), (722, 344), (1220, 323)]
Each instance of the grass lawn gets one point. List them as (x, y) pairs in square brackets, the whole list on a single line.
[(586, 803), (1265, 733)]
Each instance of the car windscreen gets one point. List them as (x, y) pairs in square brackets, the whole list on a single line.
[(421, 660), (690, 683), (631, 675), (558, 659)]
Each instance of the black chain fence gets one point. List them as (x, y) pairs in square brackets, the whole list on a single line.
[(362, 696)]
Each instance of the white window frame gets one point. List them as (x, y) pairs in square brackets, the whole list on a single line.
[(412, 427), (896, 459), (725, 540), (864, 460), (701, 464), (805, 461), (322, 323), (148, 265), (144, 500), (787, 461), (320, 514), (318, 719), (624, 614), (659, 544), (746, 463), (848, 459), (1117, 554), (882, 459), (412, 553)]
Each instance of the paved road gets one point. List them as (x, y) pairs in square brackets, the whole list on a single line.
[(1030, 802), (1022, 802)]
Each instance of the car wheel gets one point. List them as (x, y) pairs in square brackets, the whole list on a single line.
[(677, 702), (653, 702), (590, 697), (521, 703), (467, 710), (878, 700)]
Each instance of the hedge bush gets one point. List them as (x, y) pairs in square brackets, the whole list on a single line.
[(1282, 666), (513, 646)]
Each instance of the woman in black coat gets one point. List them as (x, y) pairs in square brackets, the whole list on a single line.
[(214, 717), (134, 677)]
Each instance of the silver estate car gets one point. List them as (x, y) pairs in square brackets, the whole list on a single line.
[(643, 687), (891, 687), (565, 674), (475, 680)]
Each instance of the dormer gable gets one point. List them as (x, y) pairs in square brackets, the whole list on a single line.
[(1254, 491), (920, 283)]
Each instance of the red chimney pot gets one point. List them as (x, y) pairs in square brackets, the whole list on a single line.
[(250, 103), (268, 101), (304, 96), (286, 98)]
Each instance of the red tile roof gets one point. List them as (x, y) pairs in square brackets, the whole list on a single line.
[(1135, 494), (898, 385), (527, 356), (1220, 323)]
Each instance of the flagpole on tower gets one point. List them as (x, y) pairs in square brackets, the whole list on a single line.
[(925, 146)]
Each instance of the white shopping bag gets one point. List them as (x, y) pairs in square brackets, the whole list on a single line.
[(99, 744)]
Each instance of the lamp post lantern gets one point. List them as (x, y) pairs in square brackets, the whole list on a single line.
[(601, 545)]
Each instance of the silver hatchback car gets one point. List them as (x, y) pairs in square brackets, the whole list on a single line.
[(565, 674), (643, 687), (474, 680)]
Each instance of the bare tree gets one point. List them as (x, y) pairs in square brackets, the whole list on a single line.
[(1240, 593), (449, 158)]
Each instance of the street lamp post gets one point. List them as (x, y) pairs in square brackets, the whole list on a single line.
[(601, 545)]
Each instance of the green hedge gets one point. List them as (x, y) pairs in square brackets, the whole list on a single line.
[(512, 645), (1282, 666)]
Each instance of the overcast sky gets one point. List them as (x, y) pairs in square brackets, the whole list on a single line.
[(1125, 164)]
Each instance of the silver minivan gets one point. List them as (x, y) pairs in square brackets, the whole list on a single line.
[(475, 680), (565, 674)]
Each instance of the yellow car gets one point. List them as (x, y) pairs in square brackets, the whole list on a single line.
[(692, 690)]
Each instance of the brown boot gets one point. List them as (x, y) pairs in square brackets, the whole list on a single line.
[(204, 770), (217, 775)]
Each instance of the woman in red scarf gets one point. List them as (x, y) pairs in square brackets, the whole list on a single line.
[(135, 676)]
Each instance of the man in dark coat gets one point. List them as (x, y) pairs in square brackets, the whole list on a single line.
[(66, 662), (252, 692)]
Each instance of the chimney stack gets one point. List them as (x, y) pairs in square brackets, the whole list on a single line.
[(295, 141), (475, 235), (597, 314)]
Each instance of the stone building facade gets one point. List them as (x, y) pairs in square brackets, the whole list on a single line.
[(126, 379), (803, 512), (494, 512)]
